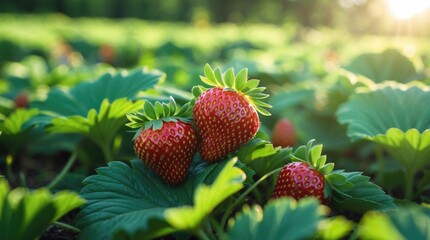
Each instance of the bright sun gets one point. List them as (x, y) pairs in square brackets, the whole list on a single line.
[(405, 9)]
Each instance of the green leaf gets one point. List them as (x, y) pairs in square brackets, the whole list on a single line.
[(362, 197), (411, 148), (334, 228), (132, 201), (15, 123), (281, 219), (367, 114), (404, 223), (89, 95), (388, 65), (206, 198), (262, 157), (25, 214), (100, 127)]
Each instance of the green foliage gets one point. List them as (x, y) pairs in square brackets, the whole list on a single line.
[(352, 191), (15, 123), (367, 114), (100, 126), (262, 157), (132, 201), (401, 130), (404, 223), (387, 65), (25, 214), (411, 148), (334, 228), (206, 198), (83, 97), (281, 219)]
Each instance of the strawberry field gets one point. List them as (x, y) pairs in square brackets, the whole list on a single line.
[(132, 129)]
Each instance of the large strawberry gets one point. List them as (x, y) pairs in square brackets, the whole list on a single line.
[(305, 176), (165, 141), (226, 115)]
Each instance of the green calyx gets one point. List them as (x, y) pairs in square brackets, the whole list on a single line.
[(153, 115), (240, 83), (312, 155)]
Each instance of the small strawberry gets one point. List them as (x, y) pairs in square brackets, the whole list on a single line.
[(21, 100), (283, 133), (305, 176), (299, 180), (226, 115), (165, 141)]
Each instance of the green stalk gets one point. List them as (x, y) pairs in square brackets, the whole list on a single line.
[(409, 184), (67, 226), (9, 161), (381, 165), (202, 235), (64, 171), (244, 194), (107, 153)]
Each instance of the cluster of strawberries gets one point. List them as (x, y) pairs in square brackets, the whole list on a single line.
[(218, 121)]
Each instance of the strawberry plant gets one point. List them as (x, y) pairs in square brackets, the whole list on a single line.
[(154, 155)]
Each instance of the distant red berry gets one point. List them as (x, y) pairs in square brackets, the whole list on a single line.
[(107, 53), (299, 180), (284, 134), (21, 101)]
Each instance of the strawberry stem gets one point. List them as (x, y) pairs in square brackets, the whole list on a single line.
[(244, 194), (64, 171)]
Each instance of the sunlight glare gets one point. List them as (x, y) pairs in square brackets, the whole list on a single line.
[(406, 9)]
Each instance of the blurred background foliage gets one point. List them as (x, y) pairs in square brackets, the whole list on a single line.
[(356, 16)]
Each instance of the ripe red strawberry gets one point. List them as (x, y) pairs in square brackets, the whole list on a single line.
[(305, 177), (165, 142), (283, 134), (299, 180), (226, 115)]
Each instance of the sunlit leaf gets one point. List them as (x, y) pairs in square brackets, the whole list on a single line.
[(281, 219), (391, 105), (15, 123), (334, 228), (90, 95), (132, 200), (206, 198), (412, 148), (354, 192), (100, 126), (25, 214), (404, 223), (387, 65)]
